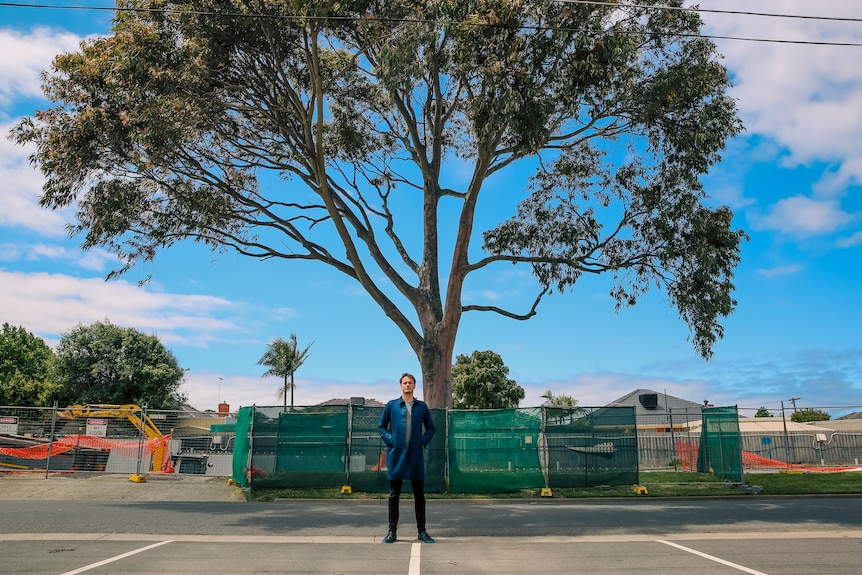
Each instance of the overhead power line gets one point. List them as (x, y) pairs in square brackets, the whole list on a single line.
[(416, 20), (710, 11)]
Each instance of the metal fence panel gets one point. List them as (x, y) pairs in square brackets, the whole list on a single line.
[(475, 450), (114, 439)]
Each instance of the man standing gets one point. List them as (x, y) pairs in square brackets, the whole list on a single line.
[(401, 429)]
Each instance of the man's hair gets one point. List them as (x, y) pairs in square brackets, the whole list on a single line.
[(410, 375)]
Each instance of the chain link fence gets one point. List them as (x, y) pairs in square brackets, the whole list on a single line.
[(115, 439), (473, 451), (770, 439), (784, 438)]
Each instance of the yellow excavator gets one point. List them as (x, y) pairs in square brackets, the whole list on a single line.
[(133, 413)]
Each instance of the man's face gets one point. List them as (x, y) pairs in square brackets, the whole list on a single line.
[(407, 385)]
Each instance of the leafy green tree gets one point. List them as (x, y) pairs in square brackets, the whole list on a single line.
[(330, 131), (762, 412), (26, 364), (481, 381), (806, 415), (561, 400), (104, 363), (283, 358)]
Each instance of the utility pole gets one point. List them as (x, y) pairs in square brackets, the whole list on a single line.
[(793, 400)]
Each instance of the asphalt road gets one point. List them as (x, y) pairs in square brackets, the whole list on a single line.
[(446, 518), (709, 536)]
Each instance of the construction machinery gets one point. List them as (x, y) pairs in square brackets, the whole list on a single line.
[(132, 412), (136, 417)]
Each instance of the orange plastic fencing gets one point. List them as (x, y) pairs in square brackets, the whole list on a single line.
[(157, 447), (686, 452)]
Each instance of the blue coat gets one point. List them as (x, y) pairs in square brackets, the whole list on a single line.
[(409, 463)]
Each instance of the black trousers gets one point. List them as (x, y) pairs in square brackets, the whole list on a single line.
[(418, 502)]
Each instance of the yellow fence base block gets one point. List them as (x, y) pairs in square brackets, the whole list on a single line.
[(346, 489), (546, 492), (232, 483), (640, 490), (134, 477)]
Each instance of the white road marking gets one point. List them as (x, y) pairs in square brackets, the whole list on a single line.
[(117, 558), (414, 559), (712, 558), (375, 539)]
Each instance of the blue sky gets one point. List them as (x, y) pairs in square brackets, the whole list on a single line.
[(793, 180)]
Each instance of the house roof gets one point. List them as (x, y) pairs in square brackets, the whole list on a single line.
[(664, 408), (840, 424), (772, 425)]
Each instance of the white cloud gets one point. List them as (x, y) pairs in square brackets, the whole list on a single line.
[(52, 303), (94, 259), (24, 56), (206, 391), (853, 240), (20, 189), (802, 216), (781, 271), (732, 195), (283, 313), (598, 389), (806, 98), (490, 295)]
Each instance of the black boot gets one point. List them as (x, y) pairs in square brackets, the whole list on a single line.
[(391, 537)]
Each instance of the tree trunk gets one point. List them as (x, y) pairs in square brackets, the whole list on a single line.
[(436, 360)]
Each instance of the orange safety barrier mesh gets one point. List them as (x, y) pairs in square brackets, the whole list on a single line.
[(127, 447), (686, 452)]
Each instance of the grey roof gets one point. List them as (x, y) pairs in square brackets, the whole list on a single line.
[(367, 402), (667, 407)]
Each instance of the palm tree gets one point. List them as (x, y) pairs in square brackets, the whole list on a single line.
[(283, 358), (561, 400)]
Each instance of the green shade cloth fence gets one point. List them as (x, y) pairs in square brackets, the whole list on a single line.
[(486, 451), (720, 448), (472, 452)]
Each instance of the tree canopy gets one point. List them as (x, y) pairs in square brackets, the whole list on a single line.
[(333, 132), (26, 364), (561, 400), (806, 415), (283, 358), (104, 363), (481, 381)]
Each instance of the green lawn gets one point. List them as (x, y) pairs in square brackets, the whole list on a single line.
[(657, 484)]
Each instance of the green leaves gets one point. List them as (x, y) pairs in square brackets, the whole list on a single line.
[(26, 368), (104, 363), (299, 130), (283, 358), (480, 381)]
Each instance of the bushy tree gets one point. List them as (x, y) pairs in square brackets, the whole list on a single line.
[(26, 364), (481, 381), (806, 415), (361, 111), (283, 358), (762, 412), (104, 363), (562, 400)]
